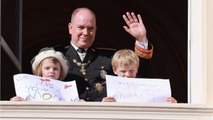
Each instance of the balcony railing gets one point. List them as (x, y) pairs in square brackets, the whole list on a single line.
[(103, 111)]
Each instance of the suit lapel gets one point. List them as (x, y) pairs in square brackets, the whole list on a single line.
[(72, 54), (90, 55)]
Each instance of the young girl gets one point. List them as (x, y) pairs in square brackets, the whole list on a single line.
[(125, 63), (50, 64)]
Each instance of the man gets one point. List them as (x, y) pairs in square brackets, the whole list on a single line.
[(88, 66)]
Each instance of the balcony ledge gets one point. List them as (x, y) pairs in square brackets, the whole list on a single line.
[(103, 110)]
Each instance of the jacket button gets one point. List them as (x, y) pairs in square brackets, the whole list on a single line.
[(87, 88)]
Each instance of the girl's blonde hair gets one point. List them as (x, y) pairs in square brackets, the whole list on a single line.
[(56, 56)]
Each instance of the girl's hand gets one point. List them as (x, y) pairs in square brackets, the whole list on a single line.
[(17, 98)]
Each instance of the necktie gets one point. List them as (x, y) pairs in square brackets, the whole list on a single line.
[(82, 53), (81, 50)]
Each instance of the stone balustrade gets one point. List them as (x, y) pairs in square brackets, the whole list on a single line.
[(26, 110)]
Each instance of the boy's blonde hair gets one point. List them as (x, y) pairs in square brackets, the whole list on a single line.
[(125, 57)]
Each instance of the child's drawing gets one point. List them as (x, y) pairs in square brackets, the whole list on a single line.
[(36, 88)]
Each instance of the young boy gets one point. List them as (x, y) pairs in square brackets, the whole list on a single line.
[(50, 64), (125, 63)]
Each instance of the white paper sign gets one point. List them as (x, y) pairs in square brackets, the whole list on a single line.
[(138, 89), (35, 88)]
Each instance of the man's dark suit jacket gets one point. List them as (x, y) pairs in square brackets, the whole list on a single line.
[(97, 61)]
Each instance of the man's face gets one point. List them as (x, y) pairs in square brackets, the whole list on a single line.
[(83, 29)]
